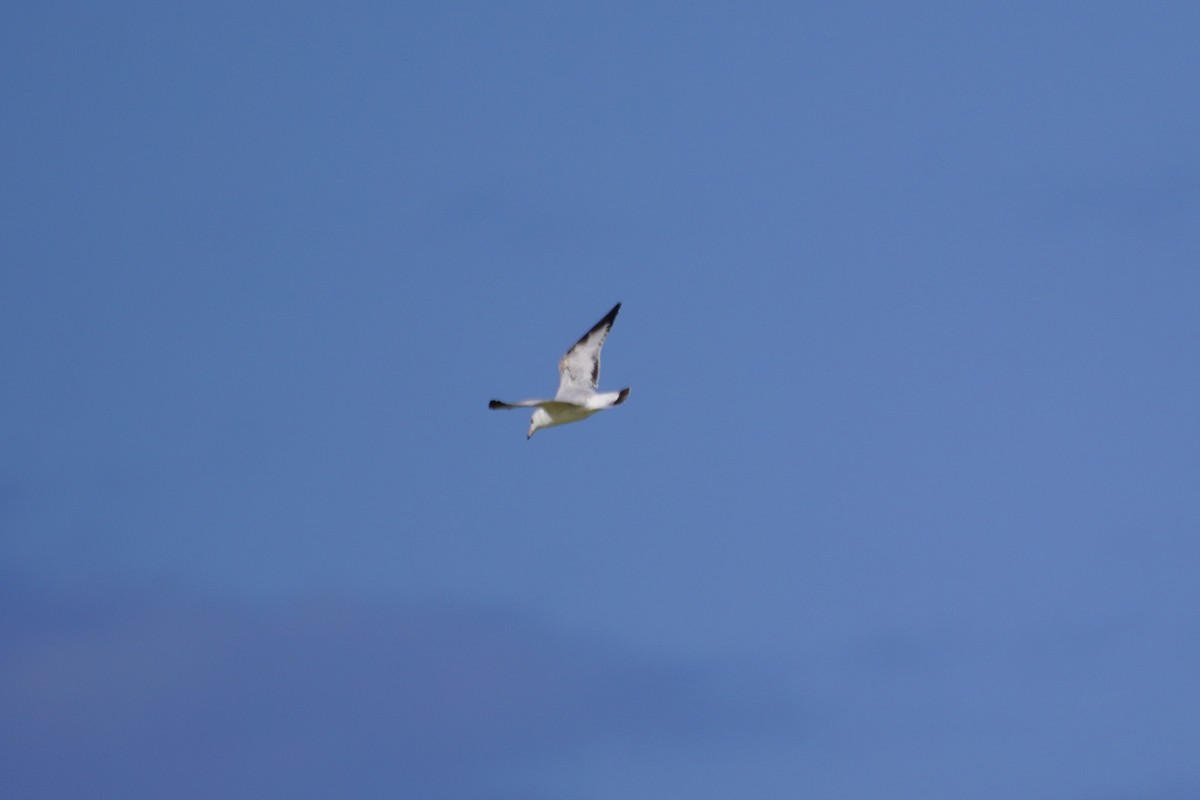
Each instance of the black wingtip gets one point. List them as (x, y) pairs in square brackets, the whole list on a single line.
[(605, 322), (495, 404), (621, 397)]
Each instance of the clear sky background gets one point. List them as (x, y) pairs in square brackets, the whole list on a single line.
[(905, 501)]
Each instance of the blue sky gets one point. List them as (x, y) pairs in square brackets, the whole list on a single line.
[(903, 502)]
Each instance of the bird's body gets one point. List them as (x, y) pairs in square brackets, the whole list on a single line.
[(579, 371)]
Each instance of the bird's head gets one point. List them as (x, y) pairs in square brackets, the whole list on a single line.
[(540, 419)]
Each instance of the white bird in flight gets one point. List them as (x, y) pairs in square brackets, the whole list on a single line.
[(577, 397)]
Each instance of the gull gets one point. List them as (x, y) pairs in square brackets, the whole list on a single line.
[(579, 372)]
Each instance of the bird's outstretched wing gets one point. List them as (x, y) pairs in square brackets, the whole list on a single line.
[(519, 404), (579, 369)]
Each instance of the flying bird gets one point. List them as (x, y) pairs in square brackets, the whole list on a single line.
[(579, 372)]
